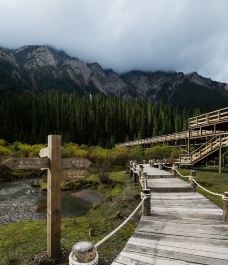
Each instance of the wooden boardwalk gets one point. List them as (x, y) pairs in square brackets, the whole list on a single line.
[(184, 228)]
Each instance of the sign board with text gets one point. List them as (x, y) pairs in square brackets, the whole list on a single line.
[(58, 169), (76, 174)]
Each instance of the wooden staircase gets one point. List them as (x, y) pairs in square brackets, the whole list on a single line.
[(205, 150)]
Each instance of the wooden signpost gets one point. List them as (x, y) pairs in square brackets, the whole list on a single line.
[(58, 169), (26, 163), (78, 174)]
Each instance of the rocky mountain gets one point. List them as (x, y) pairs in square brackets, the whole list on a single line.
[(36, 67)]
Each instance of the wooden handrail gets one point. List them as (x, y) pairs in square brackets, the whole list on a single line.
[(214, 116), (205, 149)]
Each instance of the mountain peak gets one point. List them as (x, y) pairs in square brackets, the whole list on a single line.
[(45, 67)]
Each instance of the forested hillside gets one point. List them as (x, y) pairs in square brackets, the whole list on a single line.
[(30, 117), (40, 67)]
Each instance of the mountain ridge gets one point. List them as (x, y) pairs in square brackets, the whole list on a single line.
[(39, 67)]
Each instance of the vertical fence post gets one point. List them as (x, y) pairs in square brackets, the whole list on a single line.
[(174, 167), (134, 172), (54, 196), (225, 207), (140, 171), (131, 168), (220, 158), (191, 178), (146, 206), (160, 165)]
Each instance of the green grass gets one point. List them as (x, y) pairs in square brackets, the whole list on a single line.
[(20, 242), (211, 180), (120, 176)]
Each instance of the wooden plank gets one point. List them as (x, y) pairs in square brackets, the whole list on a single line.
[(76, 174), (54, 196), (178, 219), (184, 245), (129, 258), (26, 163), (184, 228), (169, 254), (184, 231), (69, 163)]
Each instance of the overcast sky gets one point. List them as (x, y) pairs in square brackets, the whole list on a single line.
[(180, 35)]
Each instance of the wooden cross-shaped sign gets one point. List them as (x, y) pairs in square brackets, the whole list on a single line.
[(58, 169)]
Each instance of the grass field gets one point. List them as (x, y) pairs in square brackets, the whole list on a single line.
[(209, 178), (21, 242)]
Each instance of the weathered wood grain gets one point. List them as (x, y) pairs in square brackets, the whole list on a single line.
[(184, 227), (54, 196)]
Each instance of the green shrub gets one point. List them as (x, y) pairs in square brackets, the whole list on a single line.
[(5, 151), (159, 152), (73, 150), (3, 142)]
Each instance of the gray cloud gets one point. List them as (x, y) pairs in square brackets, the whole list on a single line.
[(181, 35)]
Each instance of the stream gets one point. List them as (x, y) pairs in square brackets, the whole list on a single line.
[(19, 201)]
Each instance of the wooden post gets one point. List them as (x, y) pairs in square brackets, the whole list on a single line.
[(54, 196), (140, 171), (83, 253), (131, 168), (189, 141), (134, 173), (143, 180), (220, 158), (146, 207), (225, 207), (191, 178), (207, 118), (174, 167)]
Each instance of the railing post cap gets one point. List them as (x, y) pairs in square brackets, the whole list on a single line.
[(83, 252), (83, 246), (226, 194)]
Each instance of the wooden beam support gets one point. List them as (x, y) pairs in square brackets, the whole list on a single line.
[(220, 160), (54, 196)]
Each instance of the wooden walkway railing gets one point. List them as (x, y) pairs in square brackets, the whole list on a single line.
[(157, 139), (178, 225), (209, 147), (171, 137), (196, 129), (213, 117)]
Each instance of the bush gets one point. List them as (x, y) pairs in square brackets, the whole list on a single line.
[(21, 149), (120, 155), (73, 150), (5, 151), (3, 142), (35, 149), (159, 152), (136, 153)]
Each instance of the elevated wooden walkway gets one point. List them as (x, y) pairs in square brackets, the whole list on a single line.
[(184, 227), (199, 127), (205, 150)]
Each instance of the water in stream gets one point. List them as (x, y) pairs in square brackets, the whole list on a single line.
[(19, 201)]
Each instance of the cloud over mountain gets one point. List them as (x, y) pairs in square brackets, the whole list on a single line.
[(147, 35)]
